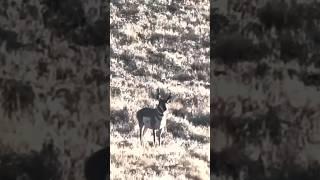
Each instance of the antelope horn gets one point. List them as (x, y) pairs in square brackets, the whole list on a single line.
[(158, 93), (169, 96)]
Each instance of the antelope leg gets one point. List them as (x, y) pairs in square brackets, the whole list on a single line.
[(159, 136), (140, 135), (154, 137), (144, 131)]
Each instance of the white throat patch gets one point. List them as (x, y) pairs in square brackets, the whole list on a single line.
[(161, 110)]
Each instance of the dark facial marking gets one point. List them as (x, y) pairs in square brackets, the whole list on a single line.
[(162, 104)]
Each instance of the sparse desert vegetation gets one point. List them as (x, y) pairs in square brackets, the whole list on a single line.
[(162, 45)]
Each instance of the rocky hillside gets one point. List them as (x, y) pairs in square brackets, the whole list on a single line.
[(165, 45)]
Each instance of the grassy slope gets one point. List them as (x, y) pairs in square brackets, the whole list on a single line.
[(155, 46)]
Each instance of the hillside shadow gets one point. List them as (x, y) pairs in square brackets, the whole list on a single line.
[(33, 165), (97, 165)]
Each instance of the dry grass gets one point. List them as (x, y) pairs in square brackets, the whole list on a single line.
[(131, 161), (156, 45)]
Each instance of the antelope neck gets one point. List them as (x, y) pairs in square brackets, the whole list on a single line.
[(160, 111)]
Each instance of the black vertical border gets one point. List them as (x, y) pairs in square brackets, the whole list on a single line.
[(107, 15), (211, 82)]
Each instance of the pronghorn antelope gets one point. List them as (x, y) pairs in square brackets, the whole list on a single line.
[(149, 118)]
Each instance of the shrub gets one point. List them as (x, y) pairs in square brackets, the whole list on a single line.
[(64, 16), (115, 91), (262, 69), (277, 13), (197, 66), (315, 58), (202, 120), (273, 14), (233, 47), (180, 112), (118, 116), (202, 76), (312, 79), (13, 92), (314, 35), (219, 23), (141, 72), (290, 48), (179, 130), (183, 77)]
